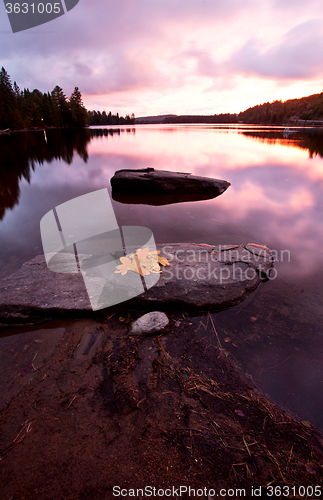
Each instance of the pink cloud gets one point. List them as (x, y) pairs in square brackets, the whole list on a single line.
[(298, 54)]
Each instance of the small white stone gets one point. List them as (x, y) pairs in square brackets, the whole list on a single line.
[(149, 323)]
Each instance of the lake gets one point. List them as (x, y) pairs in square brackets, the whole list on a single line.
[(275, 199)]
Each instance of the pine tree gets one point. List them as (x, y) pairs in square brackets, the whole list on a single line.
[(80, 117), (9, 112), (5, 81), (62, 108)]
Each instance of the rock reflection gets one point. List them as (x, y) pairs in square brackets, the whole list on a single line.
[(158, 199)]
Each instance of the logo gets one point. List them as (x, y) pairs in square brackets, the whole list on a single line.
[(27, 14), (83, 235)]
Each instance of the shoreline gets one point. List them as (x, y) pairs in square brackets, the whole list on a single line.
[(89, 127), (163, 410)]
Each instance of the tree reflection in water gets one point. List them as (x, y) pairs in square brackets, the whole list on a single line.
[(20, 152)]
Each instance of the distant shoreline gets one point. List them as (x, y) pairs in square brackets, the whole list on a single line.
[(299, 124)]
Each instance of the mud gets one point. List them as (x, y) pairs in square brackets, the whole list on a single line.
[(108, 409)]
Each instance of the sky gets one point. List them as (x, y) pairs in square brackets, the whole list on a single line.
[(151, 57)]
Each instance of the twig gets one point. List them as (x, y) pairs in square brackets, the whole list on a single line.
[(187, 480), (271, 367), (276, 462), (216, 333), (19, 438), (71, 402), (246, 446), (65, 353)]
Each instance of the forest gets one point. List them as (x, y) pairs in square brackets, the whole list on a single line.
[(305, 110), (98, 118), (221, 118), (25, 109), (293, 111)]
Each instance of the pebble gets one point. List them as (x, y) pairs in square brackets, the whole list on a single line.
[(153, 322)]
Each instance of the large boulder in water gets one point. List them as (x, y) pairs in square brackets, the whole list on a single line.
[(161, 187)]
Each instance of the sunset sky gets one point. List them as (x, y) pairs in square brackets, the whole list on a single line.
[(172, 56)]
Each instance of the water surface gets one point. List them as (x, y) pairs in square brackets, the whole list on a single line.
[(275, 199)]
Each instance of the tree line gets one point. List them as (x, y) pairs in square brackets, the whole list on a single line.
[(288, 112), (293, 111), (98, 118), (25, 109), (221, 118)]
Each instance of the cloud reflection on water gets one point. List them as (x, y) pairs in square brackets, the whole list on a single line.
[(275, 200), (275, 197)]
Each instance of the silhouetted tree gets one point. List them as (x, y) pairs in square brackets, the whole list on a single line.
[(79, 114), (9, 113)]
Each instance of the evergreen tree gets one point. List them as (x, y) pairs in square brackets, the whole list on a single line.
[(80, 116), (9, 113), (5, 81), (62, 107)]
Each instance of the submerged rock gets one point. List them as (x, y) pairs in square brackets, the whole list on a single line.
[(199, 277), (150, 323), (160, 187)]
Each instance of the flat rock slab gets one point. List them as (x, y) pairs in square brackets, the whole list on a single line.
[(199, 277), (161, 187)]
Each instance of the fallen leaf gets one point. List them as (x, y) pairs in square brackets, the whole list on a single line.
[(177, 323), (122, 319), (239, 412), (142, 262), (227, 339), (310, 468), (142, 253), (306, 423), (127, 265), (163, 261)]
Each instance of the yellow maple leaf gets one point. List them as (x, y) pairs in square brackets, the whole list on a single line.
[(127, 265), (142, 253), (142, 262), (163, 261)]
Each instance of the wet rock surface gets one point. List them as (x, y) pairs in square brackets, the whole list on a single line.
[(161, 187), (199, 277)]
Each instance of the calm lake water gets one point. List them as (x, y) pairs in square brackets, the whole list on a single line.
[(276, 199)]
